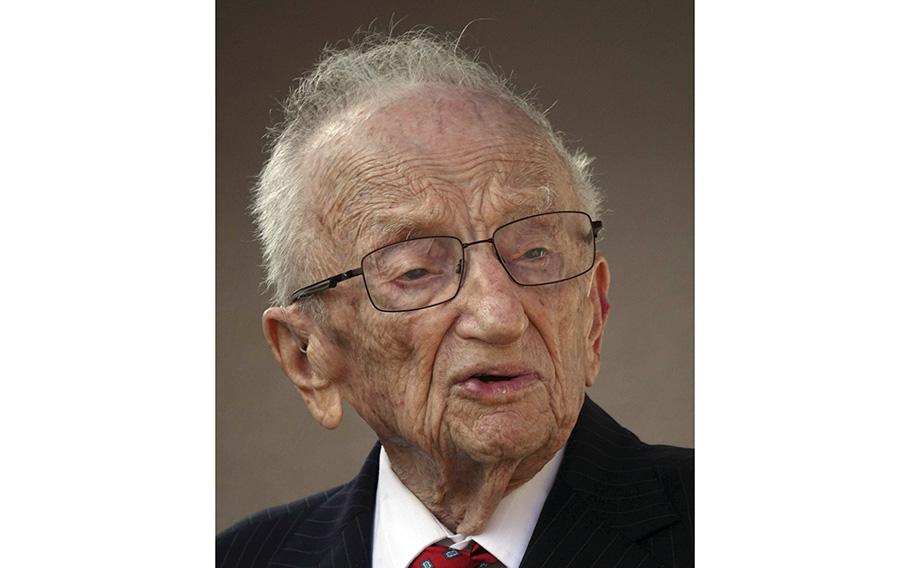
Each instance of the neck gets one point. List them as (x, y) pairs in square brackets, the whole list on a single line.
[(461, 493)]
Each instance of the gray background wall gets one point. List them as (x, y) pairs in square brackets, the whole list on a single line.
[(622, 76)]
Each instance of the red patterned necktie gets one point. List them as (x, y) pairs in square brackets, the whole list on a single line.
[(438, 556)]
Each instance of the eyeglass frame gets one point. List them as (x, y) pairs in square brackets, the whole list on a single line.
[(333, 281)]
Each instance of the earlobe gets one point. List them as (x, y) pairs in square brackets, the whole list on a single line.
[(294, 339), (600, 310)]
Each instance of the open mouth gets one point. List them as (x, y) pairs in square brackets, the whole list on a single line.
[(493, 378), (492, 387)]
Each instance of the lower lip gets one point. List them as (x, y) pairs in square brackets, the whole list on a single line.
[(497, 390)]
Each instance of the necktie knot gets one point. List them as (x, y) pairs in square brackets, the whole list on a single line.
[(438, 556)]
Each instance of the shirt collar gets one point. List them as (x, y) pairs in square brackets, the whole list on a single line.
[(403, 526)]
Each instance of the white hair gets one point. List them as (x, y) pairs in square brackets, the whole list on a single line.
[(372, 66)]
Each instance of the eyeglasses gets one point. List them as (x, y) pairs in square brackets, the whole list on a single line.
[(427, 271)]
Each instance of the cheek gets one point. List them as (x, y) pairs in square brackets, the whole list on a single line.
[(574, 326), (391, 376), (562, 320), (378, 344)]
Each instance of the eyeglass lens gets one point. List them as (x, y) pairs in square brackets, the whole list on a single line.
[(426, 271)]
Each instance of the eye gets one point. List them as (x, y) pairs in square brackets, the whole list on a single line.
[(535, 253), (414, 274)]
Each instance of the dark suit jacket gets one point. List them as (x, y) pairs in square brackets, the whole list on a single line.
[(616, 502)]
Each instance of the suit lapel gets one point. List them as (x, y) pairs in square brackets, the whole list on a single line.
[(352, 545), (339, 533), (604, 500)]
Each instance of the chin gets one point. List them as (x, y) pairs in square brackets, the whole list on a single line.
[(504, 436)]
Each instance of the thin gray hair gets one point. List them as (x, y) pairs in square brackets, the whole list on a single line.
[(369, 67)]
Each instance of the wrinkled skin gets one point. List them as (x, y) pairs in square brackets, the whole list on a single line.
[(438, 160)]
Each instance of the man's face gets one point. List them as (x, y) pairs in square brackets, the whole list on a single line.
[(498, 373)]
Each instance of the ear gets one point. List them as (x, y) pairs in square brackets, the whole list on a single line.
[(600, 310), (297, 344)]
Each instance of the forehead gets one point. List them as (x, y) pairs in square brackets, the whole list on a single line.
[(432, 158)]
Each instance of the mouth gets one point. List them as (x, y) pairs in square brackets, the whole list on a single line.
[(497, 386), (485, 378)]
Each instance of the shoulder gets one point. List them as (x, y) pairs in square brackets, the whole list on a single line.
[(304, 529), (675, 467), (242, 543), (612, 458), (670, 459), (603, 450)]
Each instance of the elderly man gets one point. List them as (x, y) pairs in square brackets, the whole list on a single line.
[(431, 244)]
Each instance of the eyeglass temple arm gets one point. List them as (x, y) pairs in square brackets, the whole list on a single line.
[(596, 226), (330, 282)]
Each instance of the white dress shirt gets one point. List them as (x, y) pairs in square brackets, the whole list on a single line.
[(403, 526)]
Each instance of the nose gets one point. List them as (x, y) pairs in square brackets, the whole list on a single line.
[(491, 310)]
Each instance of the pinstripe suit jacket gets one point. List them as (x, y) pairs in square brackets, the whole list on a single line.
[(616, 502)]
